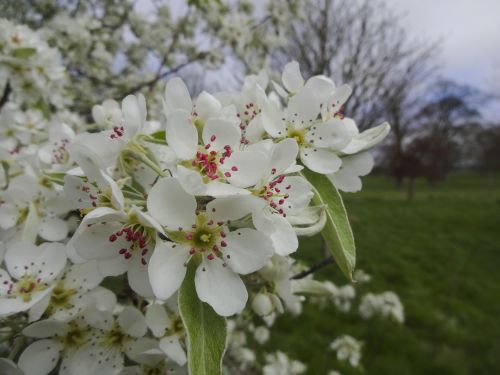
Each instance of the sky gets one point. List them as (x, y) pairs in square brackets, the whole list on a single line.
[(469, 35)]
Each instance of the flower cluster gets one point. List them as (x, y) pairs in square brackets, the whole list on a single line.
[(386, 305), (217, 184)]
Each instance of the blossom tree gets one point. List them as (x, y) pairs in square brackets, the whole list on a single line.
[(138, 236)]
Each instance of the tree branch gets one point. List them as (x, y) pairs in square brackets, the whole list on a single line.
[(5, 96), (315, 267)]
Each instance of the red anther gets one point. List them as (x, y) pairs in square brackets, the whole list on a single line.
[(234, 168), (223, 243), (215, 248), (227, 174), (281, 201), (288, 187), (281, 211), (221, 160), (189, 237), (192, 251), (144, 252), (212, 138), (220, 223), (128, 255), (143, 261), (286, 196), (210, 257), (277, 190), (207, 146), (273, 171), (193, 163), (213, 153), (223, 234), (210, 222), (122, 251), (112, 238)]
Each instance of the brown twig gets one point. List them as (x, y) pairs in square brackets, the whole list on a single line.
[(315, 267)]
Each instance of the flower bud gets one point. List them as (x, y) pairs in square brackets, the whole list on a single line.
[(262, 304)]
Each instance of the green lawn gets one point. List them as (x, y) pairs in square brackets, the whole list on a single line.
[(441, 254)]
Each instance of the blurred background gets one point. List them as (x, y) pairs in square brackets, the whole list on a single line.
[(427, 222)]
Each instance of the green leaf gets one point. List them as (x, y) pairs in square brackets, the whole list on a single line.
[(206, 331), (337, 232), (23, 53)]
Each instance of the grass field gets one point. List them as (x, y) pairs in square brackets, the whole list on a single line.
[(441, 254)]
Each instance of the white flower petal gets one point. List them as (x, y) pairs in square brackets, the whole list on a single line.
[(247, 250), (234, 207), (182, 135), (50, 261), (138, 278), (219, 132), (45, 328), (8, 215), (134, 114), (171, 205), (177, 96), (83, 277), (367, 139), (39, 358), (94, 242), (220, 287), (320, 160), (167, 268), (132, 322), (291, 77), (249, 167), (53, 229), (346, 181), (18, 258), (283, 237), (207, 106), (284, 155), (173, 349), (157, 319)]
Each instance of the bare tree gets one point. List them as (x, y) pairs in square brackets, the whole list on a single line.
[(361, 43)]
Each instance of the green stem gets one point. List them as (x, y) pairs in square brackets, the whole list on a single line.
[(17, 346)]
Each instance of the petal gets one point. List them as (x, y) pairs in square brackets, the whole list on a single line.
[(83, 277), (220, 132), (339, 97), (291, 77), (146, 220), (177, 96), (320, 160), (112, 266), (299, 192), (53, 229), (18, 258), (45, 328), (220, 287), (7, 367), (273, 120), (249, 167), (361, 164), (138, 278), (255, 129), (182, 135), (36, 311), (50, 261), (134, 115), (283, 237), (303, 108), (132, 322), (167, 268), (8, 215), (220, 189), (367, 139), (191, 181), (102, 214), (169, 203), (321, 86), (247, 250), (234, 207), (157, 319), (173, 349), (335, 133), (207, 106), (346, 180), (39, 358), (78, 191), (284, 155), (93, 242)]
